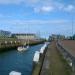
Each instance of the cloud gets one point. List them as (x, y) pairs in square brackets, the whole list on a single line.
[(43, 6), (47, 8), (69, 8), (44, 9), (33, 22), (52, 5)]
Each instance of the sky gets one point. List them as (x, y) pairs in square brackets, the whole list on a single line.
[(43, 17)]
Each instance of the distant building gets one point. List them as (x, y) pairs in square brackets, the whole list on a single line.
[(25, 36), (56, 37), (61, 37), (5, 33)]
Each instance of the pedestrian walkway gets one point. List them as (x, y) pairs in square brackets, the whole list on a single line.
[(53, 63)]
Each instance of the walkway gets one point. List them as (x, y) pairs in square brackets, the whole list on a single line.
[(54, 64)]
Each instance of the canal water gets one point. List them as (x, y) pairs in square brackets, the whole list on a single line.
[(18, 61)]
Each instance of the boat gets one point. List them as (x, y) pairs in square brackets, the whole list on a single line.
[(22, 48), (25, 46)]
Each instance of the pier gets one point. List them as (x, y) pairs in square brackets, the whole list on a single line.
[(53, 63)]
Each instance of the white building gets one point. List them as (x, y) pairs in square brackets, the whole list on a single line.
[(25, 36)]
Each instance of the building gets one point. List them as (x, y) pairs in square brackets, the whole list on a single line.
[(5, 33), (25, 36), (56, 37)]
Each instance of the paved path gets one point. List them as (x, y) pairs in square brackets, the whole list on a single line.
[(53, 62)]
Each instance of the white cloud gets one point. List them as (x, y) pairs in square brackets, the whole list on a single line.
[(52, 5), (47, 8), (44, 9), (42, 5), (69, 8)]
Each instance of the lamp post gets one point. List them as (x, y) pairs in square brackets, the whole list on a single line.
[(72, 27), (72, 11)]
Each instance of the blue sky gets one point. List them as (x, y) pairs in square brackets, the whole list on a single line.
[(37, 16)]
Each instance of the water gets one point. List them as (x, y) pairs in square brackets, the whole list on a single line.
[(18, 61)]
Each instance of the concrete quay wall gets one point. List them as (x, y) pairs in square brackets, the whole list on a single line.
[(67, 56)]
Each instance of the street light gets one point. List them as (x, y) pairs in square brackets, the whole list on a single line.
[(71, 11), (72, 27)]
